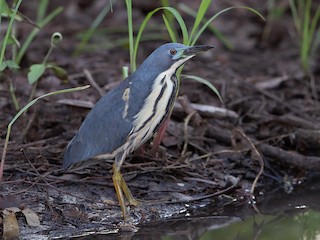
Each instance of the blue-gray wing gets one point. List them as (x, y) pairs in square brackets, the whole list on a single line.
[(103, 130)]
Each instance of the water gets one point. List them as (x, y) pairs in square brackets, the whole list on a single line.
[(301, 224), (295, 225), (282, 216)]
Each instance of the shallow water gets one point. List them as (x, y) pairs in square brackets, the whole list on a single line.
[(301, 224), (298, 225), (280, 216)]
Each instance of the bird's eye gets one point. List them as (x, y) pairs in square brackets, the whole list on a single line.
[(173, 51)]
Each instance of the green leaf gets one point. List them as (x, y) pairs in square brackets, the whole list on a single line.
[(8, 64), (5, 40), (3, 66), (12, 64), (35, 72), (205, 82), (6, 11), (13, 40), (59, 72)]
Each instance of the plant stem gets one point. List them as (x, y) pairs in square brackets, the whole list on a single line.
[(13, 95)]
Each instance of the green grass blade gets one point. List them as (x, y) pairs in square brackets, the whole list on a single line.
[(198, 34), (141, 29), (130, 32), (199, 17), (315, 36), (165, 3), (5, 40), (88, 34), (182, 25), (1, 9), (177, 16), (214, 30), (305, 36), (34, 32), (42, 9), (68, 90), (123, 41), (169, 28), (314, 23), (205, 82), (296, 18), (170, 18)]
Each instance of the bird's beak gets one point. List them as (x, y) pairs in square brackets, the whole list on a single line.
[(189, 52), (196, 49)]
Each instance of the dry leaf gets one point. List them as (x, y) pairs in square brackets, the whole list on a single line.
[(31, 217), (10, 225), (9, 210)]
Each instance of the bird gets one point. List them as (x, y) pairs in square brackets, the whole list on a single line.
[(130, 114)]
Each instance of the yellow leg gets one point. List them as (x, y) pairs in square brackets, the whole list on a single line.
[(121, 187), (117, 185), (127, 192)]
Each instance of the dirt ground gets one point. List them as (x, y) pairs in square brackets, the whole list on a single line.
[(265, 134)]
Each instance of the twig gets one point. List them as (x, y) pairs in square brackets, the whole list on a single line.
[(76, 103), (93, 82), (258, 156), (210, 182), (27, 189), (208, 110), (193, 199), (186, 123), (33, 167)]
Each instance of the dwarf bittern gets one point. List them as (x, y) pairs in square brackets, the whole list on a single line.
[(130, 114)]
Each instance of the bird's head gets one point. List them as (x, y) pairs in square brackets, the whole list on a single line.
[(172, 55)]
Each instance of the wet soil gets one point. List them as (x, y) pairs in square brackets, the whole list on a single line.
[(264, 135)]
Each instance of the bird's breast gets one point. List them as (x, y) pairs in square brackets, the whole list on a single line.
[(156, 107)]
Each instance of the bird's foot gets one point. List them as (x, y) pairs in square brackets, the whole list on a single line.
[(133, 202)]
